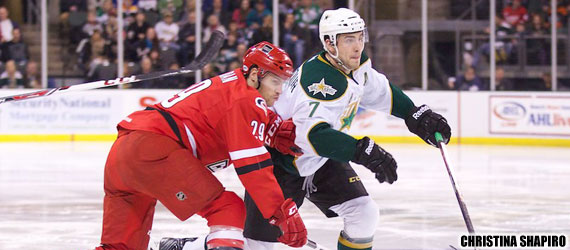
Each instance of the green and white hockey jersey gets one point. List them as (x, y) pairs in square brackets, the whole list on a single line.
[(323, 101)]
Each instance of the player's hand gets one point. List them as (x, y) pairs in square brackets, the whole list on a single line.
[(287, 218), (424, 122), (373, 157), (281, 135), (284, 139)]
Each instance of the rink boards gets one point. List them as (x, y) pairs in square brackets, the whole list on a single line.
[(524, 118)]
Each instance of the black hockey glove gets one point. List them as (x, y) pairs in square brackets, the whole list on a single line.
[(423, 122), (376, 159)]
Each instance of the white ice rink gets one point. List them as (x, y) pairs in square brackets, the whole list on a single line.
[(51, 196)]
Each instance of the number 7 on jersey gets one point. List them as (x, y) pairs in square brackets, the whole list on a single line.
[(316, 104)]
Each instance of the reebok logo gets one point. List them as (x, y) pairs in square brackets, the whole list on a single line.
[(420, 112), (369, 148)]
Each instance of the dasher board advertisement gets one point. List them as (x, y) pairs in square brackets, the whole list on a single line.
[(529, 115)]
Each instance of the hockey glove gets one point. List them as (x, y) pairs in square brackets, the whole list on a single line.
[(373, 157), (424, 122), (281, 135), (287, 218)]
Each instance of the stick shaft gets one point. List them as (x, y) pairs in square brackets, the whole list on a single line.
[(314, 245), (458, 195), (212, 47)]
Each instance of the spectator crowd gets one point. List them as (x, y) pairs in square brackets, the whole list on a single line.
[(160, 34), (522, 26), (17, 71)]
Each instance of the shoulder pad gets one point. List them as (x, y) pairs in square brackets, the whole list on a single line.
[(322, 81)]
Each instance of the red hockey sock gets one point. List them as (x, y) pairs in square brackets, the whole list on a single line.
[(112, 247), (226, 210)]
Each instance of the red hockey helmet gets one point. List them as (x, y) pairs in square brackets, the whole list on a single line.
[(268, 58)]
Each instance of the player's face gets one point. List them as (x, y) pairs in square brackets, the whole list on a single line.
[(270, 88), (350, 48)]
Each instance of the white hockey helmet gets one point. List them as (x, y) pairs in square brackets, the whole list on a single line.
[(339, 21)]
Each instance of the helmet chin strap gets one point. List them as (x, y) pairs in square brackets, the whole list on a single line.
[(336, 59)]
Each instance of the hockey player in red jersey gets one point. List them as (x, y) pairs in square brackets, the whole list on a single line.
[(169, 151)]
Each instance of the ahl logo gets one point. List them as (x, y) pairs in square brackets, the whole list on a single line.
[(509, 111), (322, 88)]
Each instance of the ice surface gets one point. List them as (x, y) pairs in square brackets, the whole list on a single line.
[(51, 196)]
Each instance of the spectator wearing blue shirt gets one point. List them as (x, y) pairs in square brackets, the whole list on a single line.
[(255, 17), (468, 81)]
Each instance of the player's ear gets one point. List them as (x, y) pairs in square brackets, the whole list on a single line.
[(252, 77), (253, 73), (330, 46)]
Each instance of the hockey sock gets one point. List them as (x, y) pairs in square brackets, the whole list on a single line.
[(347, 243), (227, 209), (225, 238)]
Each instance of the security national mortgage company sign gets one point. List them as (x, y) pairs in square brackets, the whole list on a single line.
[(537, 114), (83, 112)]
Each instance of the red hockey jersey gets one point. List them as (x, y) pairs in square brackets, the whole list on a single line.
[(221, 120)]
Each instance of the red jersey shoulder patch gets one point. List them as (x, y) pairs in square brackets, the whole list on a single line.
[(260, 102)]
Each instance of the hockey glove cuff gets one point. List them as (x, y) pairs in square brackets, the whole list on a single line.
[(423, 122), (281, 135), (373, 157), (287, 218)]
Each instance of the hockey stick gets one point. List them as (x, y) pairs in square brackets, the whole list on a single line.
[(214, 44), (314, 245), (458, 195)]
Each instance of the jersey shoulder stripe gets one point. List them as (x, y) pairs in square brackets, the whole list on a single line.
[(322, 81)]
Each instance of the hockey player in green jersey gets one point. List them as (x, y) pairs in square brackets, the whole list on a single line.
[(322, 97)]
